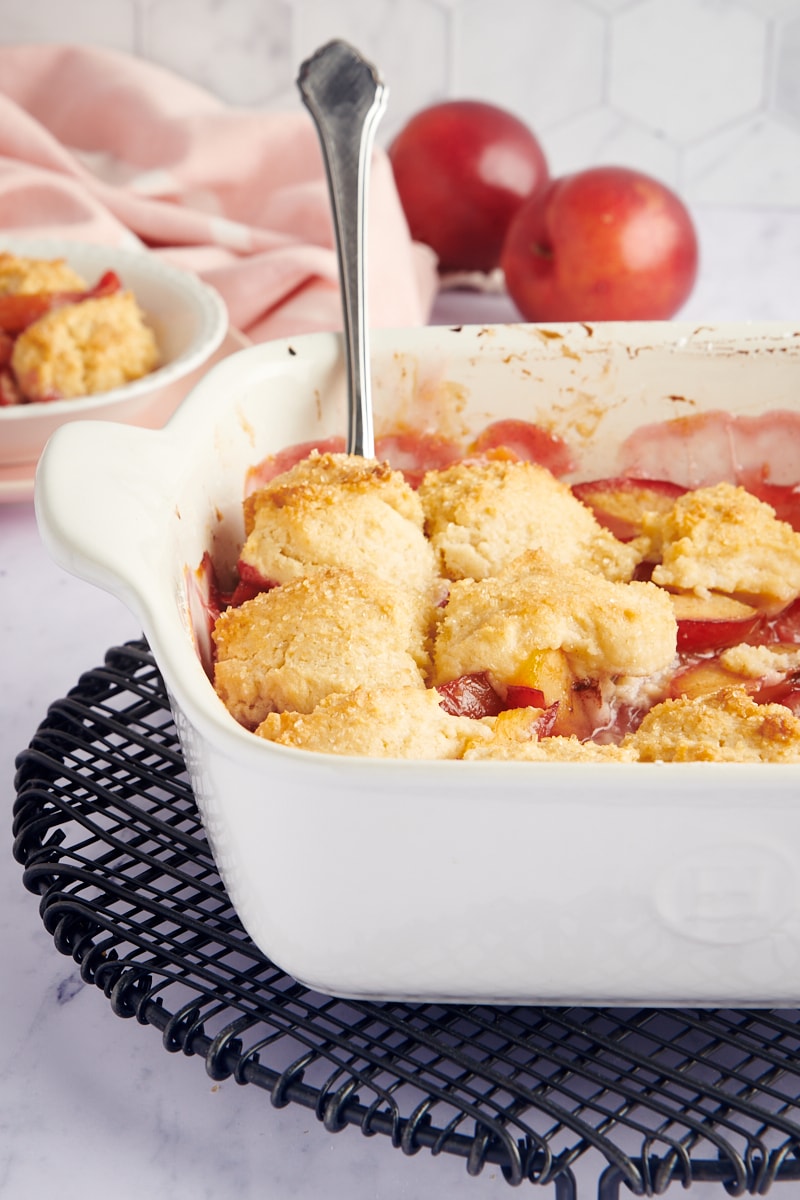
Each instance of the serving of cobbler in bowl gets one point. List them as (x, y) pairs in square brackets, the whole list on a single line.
[(518, 699), (92, 330)]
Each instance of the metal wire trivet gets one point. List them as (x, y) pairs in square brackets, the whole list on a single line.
[(109, 837)]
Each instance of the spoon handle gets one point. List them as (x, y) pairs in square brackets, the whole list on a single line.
[(346, 98)]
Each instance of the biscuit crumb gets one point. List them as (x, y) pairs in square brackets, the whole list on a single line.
[(480, 516), (728, 726), (86, 348), (388, 722), (288, 648), (338, 510), (20, 275), (724, 539), (536, 603)]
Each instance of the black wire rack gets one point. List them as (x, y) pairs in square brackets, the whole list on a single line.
[(109, 837)]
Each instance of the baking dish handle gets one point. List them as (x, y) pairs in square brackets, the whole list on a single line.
[(97, 505)]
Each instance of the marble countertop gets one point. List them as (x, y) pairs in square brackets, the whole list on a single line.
[(91, 1104)]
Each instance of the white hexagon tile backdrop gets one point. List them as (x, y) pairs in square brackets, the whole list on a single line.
[(703, 94)]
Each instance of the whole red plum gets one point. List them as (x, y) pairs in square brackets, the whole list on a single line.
[(462, 169), (604, 244)]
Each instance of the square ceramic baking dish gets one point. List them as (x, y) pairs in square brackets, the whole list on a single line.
[(574, 883)]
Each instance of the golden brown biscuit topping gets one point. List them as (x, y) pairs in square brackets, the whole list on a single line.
[(491, 617)]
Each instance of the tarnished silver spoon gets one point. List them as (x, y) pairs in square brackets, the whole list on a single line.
[(347, 98)]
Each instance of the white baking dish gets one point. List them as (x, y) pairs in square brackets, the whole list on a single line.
[(612, 883)]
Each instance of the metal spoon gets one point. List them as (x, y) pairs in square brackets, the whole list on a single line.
[(346, 98)]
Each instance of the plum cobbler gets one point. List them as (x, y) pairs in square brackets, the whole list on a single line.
[(482, 608), (61, 339)]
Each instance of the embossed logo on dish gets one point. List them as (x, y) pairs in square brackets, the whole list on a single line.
[(726, 894)]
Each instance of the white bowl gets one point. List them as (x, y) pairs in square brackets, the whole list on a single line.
[(188, 317), (665, 883)]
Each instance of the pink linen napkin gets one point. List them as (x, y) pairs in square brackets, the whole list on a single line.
[(102, 147)]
